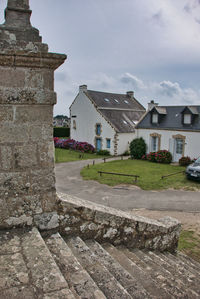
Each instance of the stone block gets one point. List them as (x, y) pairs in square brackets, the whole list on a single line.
[(46, 154), (42, 180), (12, 77), (47, 221), (6, 158), (6, 113), (11, 132), (27, 96), (42, 132), (41, 79), (13, 183), (25, 156), (36, 114)]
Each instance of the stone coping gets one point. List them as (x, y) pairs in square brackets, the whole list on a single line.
[(105, 224)]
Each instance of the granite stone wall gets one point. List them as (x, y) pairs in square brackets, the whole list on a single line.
[(27, 180)]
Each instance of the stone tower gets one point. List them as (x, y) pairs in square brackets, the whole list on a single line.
[(27, 180)]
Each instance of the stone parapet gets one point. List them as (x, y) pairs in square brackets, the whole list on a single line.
[(105, 224)]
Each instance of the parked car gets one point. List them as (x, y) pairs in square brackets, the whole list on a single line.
[(193, 170)]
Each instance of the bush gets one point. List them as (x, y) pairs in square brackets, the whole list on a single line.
[(61, 132), (184, 161), (103, 152), (137, 148), (74, 145), (162, 156), (126, 153)]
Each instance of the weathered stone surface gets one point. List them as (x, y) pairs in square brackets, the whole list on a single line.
[(6, 158), (18, 293), (47, 221), (44, 271), (76, 276), (13, 271), (36, 267), (89, 220), (26, 117)]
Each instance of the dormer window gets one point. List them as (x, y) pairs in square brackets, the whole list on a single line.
[(187, 119), (154, 118), (106, 100)]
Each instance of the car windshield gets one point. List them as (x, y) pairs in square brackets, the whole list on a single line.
[(197, 161)]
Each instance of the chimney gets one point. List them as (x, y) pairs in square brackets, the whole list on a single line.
[(151, 105), (83, 88), (130, 94)]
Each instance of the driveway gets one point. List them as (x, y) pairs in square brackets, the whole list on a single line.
[(68, 180)]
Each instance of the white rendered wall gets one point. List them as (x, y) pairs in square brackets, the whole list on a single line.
[(86, 119), (192, 141), (124, 140)]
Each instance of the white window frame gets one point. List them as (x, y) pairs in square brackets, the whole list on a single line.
[(187, 119), (154, 118)]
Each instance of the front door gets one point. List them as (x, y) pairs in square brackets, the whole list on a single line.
[(178, 149), (98, 144)]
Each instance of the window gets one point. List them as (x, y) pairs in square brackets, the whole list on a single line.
[(179, 146), (106, 100), (74, 124), (125, 122), (154, 144), (108, 143), (98, 129), (154, 118), (126, 102), (187, 119), (116, 100)]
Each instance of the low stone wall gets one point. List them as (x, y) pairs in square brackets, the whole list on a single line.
[(105, 224)]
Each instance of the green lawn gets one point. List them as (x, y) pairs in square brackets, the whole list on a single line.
[(64, 155), (150, 175), (189, 243)]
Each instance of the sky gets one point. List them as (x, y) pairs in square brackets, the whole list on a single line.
[(151, 47)]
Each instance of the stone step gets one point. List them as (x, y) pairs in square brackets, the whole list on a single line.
[(27, 268), (189, 279), (178, 287), (79, 281), (162, 277), (130, 283), (99, 273), (163, 262), (184, 262), (192, 264), (136, 271)]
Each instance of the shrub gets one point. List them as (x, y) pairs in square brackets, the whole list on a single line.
[(103, 152), (74, 145), (126, 153), (162, 156), (184, 161), (137, 148), (61, 132)]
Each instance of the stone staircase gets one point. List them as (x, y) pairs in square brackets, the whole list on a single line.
[(53, 267)]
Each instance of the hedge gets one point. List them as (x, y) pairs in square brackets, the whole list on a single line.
[(61, 132)]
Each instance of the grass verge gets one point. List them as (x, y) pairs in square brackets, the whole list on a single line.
[(65, 155), (150, 175), (189, 244)]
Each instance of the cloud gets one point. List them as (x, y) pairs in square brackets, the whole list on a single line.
[(169, 88), (133, 81)]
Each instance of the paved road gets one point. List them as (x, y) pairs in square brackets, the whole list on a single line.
[(68, 180)]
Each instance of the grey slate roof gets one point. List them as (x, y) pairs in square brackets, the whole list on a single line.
[(122, 111), (173, 119)]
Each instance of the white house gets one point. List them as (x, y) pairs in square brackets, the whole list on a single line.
[(105, 120), (173, 128)]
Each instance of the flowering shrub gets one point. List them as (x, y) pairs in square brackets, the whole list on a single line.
[(161, 156), (74, 145), (184, 161)]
